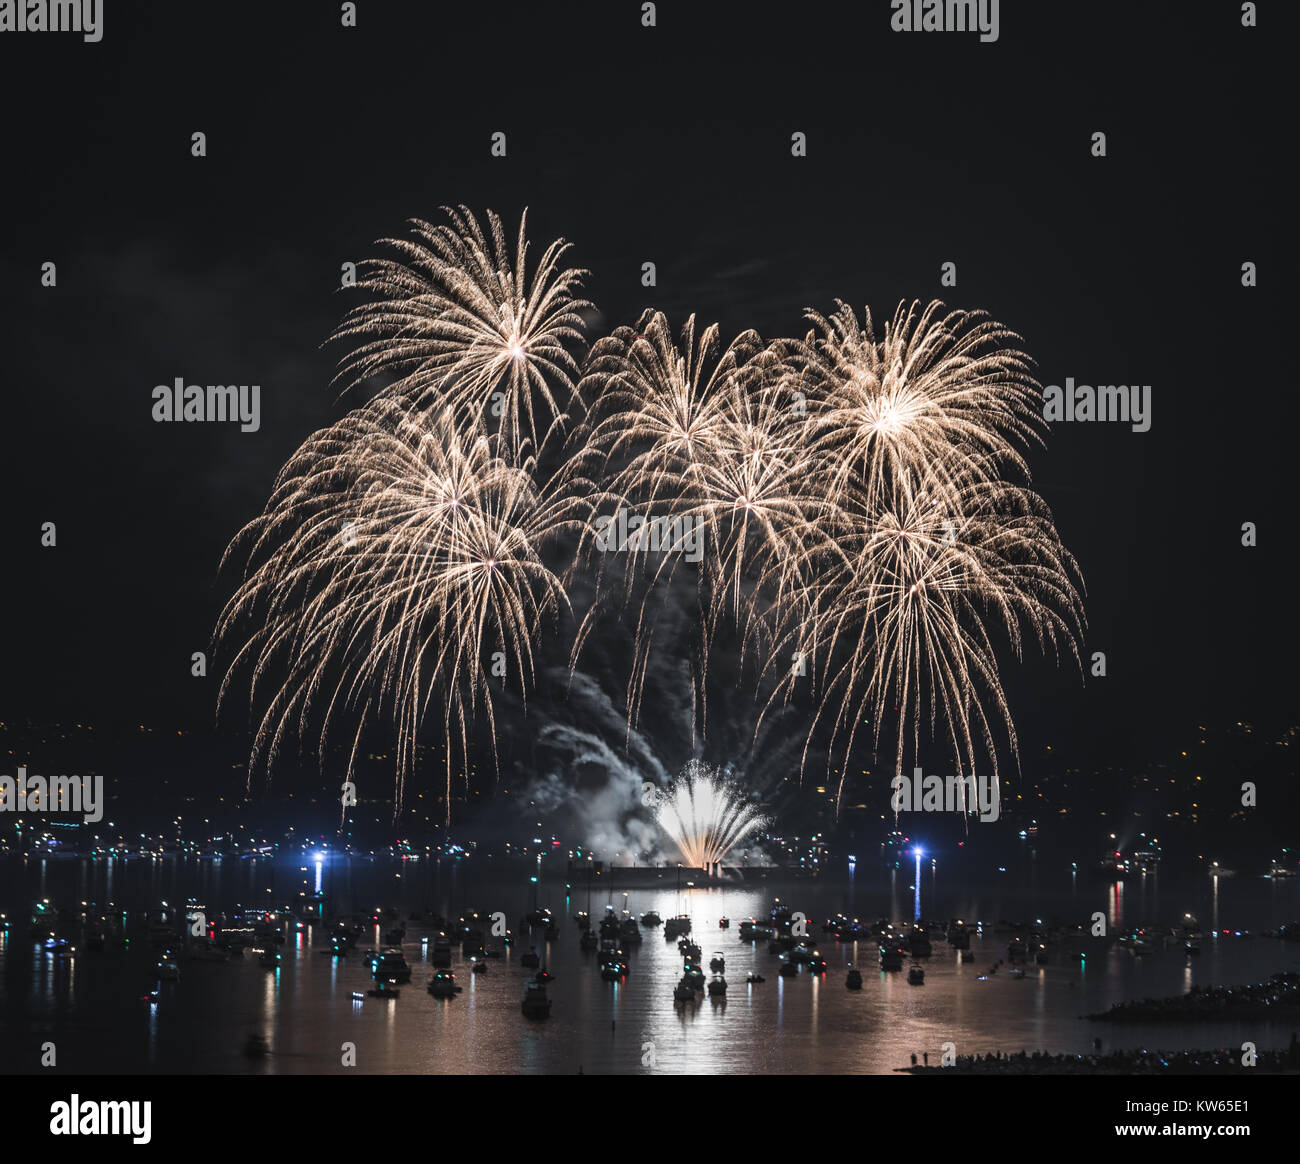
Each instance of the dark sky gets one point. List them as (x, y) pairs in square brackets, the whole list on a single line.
[(669, 145)]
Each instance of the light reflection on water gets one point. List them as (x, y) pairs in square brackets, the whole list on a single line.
[(93, 1005)]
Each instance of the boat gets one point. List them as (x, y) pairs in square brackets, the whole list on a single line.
[(851, 930), (1016, 972), (816, 963), (891, 957), (916, 976), (539, 919), (535, 1003), (684, 992), (612, 954), (383, 990), (269, 959), (1144, 860), (543, 975), (443, 985), (789, 969), (1138, 942), (583, 919), (780, 916), (530, 960), (392, 967), (610, 927), (478, 966), (918, 942), (968, 955), (724, 923), (853, 980), (717, 987), (651, 919), (689, 949), (612, 971), (674, 927), (441, 955), (694, 975), (717, 963), (169, 972), (629, 931), (1112, 866), (753, 978), (588, 940)]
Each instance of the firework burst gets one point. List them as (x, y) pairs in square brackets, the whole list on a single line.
[(904, 617), (861, 504), (396, 556), (457, 322), (944, 394), (706, 815), (715, 437)]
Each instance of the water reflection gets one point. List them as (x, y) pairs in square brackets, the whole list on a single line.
[(806, 1024)]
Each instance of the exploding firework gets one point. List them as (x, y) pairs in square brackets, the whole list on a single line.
[(904, 617), (861, 504), (396, 562), (940, 394), (715, 437), (457, 322), (706, 815)]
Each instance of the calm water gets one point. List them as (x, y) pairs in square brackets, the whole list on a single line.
[(92, 1006)]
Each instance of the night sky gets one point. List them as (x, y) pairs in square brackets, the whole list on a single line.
[(669, 145)]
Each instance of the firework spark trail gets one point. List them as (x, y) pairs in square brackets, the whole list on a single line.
[(946, 394), (713, 436), (395, 554), (905, 617), (706, 815), (915, 437), (458, 322)]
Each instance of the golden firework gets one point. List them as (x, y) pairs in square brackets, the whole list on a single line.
[(396, 568), (456, 321)]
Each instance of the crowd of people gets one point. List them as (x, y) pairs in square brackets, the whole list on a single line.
[(1278, 991), (1138, 1062)]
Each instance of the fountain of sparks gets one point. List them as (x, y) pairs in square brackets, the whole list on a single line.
[(706, 815)]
